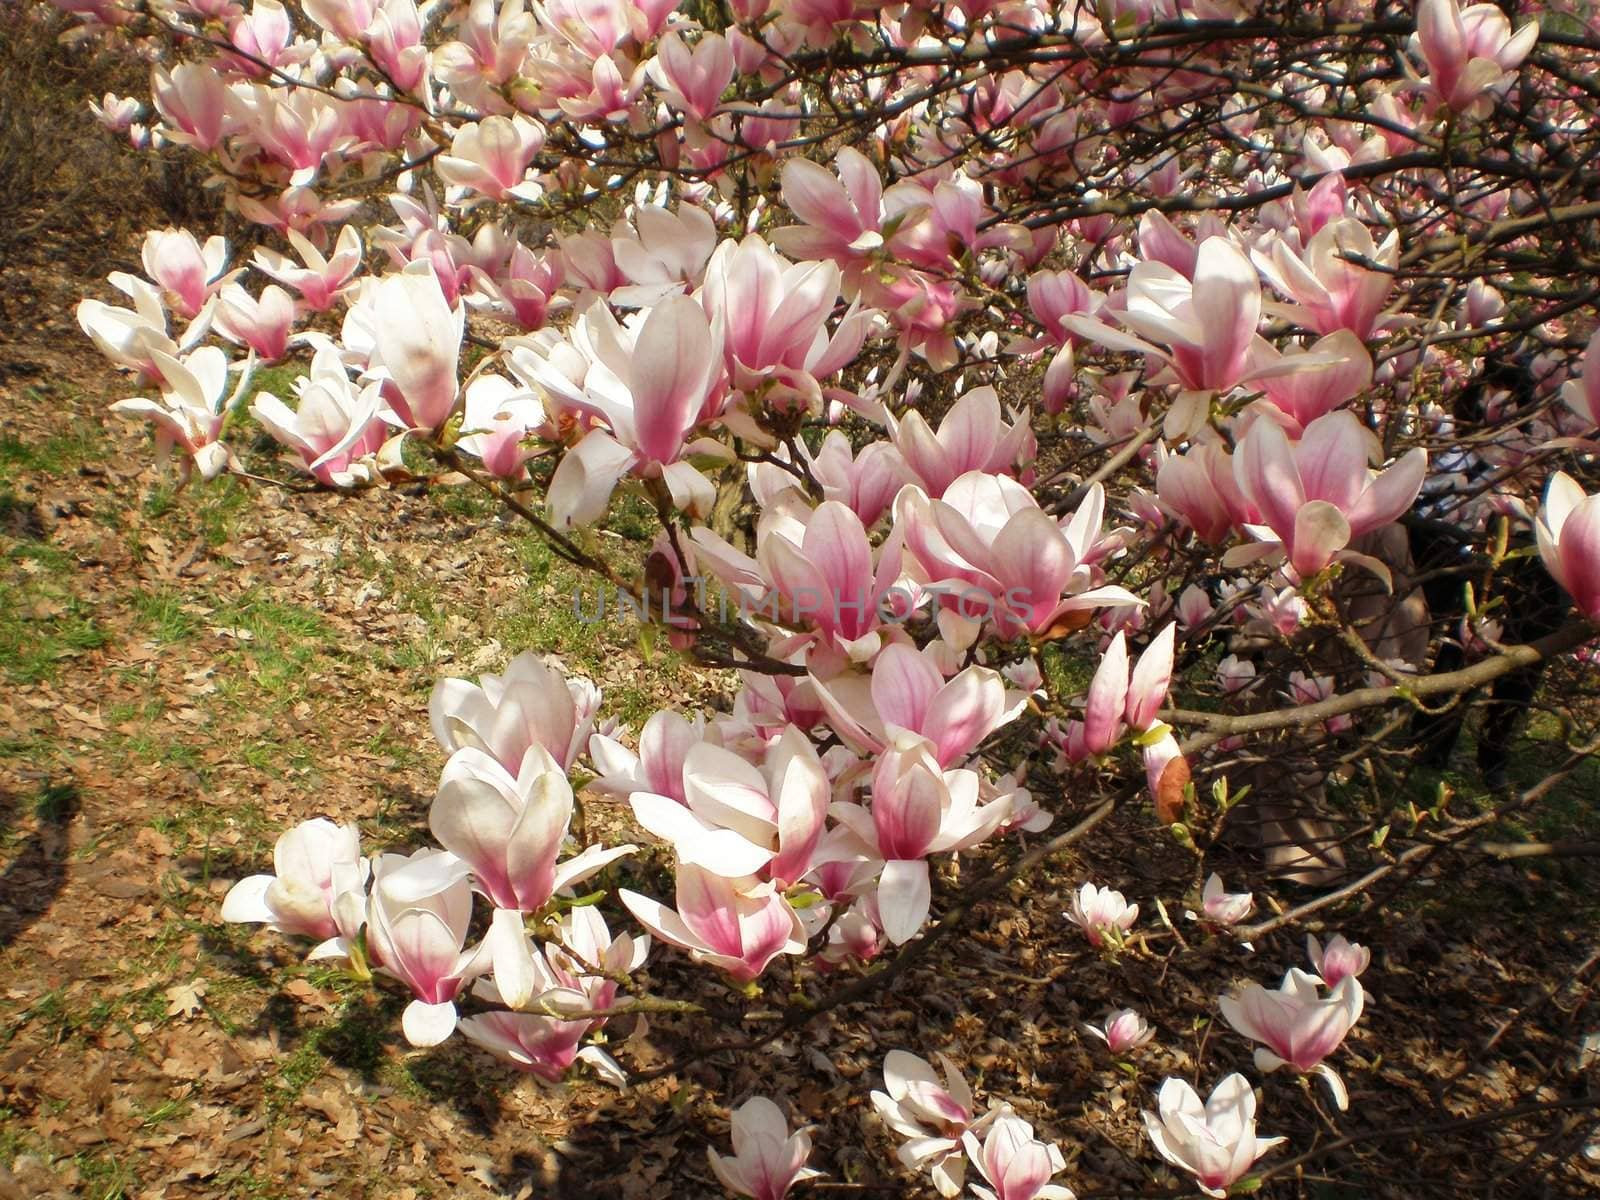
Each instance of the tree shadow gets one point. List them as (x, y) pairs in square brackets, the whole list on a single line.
[(38, 873)]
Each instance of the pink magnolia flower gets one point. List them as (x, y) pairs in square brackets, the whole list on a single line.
[(866, 480), (1055, 295), (187, 273), (394, 40), (906, 693), (1223, 907), (842, 214), (335, 425), (664, 745), (542, 1046), (1124, 1030), (497, 417), (767, 1159), (651, 381), (523, 291), (1482, 306), (509, 829), (264, 34), (1216, 1141), (417, 344), (1015, 1164), (192, 100), (263, 324), (1568, 533), (1104, 915), (531, 704), (194, 403), (992, 553), (772, 315), (1205, 327), (345, 19), (738, 820), (117, 113), (1582, 395), (972, 437), (318, 888), (827, 578), (1330, 290), (694, 80), (1303, 396), (320, 279), (933, 1117), (662, 253), (1471, 53), (1194, 607), (589, 958), (736, 929), (1116, 696), (417, 918), (1315, 497), (1297, 1026), (917, 809), (1338, 960), (131, 337), (491, 157), (1198, 486)]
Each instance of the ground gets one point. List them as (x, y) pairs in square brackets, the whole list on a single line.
[(186, 675)]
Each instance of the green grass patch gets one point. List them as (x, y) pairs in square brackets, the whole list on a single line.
[(58, 454), (40, 625)]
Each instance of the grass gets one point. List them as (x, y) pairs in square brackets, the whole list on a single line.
[(59, 454), (42, 623)]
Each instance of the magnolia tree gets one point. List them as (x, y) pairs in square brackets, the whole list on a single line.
[(1221, 348)]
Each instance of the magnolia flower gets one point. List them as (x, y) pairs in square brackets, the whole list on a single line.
[(932, 1117), (908, 694), (1124, 1030), (194, 403), (1224, 908), (1568, 532), (994, 553), (1104, 915), (188, 273), (664, 745), (417, 918), (417, 343), (503, 715), (737, 819), (1297, 1026), (1016, 1165), (1329, 287), (317, 891), (1338, 960), (843, 213), (1215, 1142), (335, 426), (510, 829), (767, 1159), (262, 324), (1582, 394), (1116, 696), (1470, 52), (1316, 497), (320, 280), (972, 437), (541, 1045), (1206, 324), (491, 157), (917, 809), (736, 930)]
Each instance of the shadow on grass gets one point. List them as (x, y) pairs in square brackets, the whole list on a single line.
[(38, 872)]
